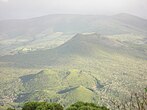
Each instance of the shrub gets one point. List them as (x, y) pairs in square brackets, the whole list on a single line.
[(85, 106), (30, 106), (41, 106)]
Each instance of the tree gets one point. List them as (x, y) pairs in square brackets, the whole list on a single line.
[(41, 106), (55, 106), (86, 106), (49, 106), (30, 106)]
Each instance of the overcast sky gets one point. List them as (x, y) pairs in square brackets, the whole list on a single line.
[(10, 9)]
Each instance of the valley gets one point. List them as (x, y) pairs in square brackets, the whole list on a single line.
[(72, 58)]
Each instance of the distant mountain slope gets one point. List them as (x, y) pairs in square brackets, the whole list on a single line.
[(132, 21), (118, 24), (90, 45), (18, 36)]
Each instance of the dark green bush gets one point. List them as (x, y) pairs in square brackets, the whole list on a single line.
[(41, 106), (55, 106), (85, 106), (49, 106), (30, 106)]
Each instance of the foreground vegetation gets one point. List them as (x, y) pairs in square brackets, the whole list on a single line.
[(56, 106), (136, 101)]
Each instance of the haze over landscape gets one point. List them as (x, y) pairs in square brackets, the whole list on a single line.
[(14, 9), (65, 51)]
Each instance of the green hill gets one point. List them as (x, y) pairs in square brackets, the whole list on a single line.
[(56, 85), (79, 93), (52, 79)]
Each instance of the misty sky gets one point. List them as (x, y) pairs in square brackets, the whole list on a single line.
[(10, 9)]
